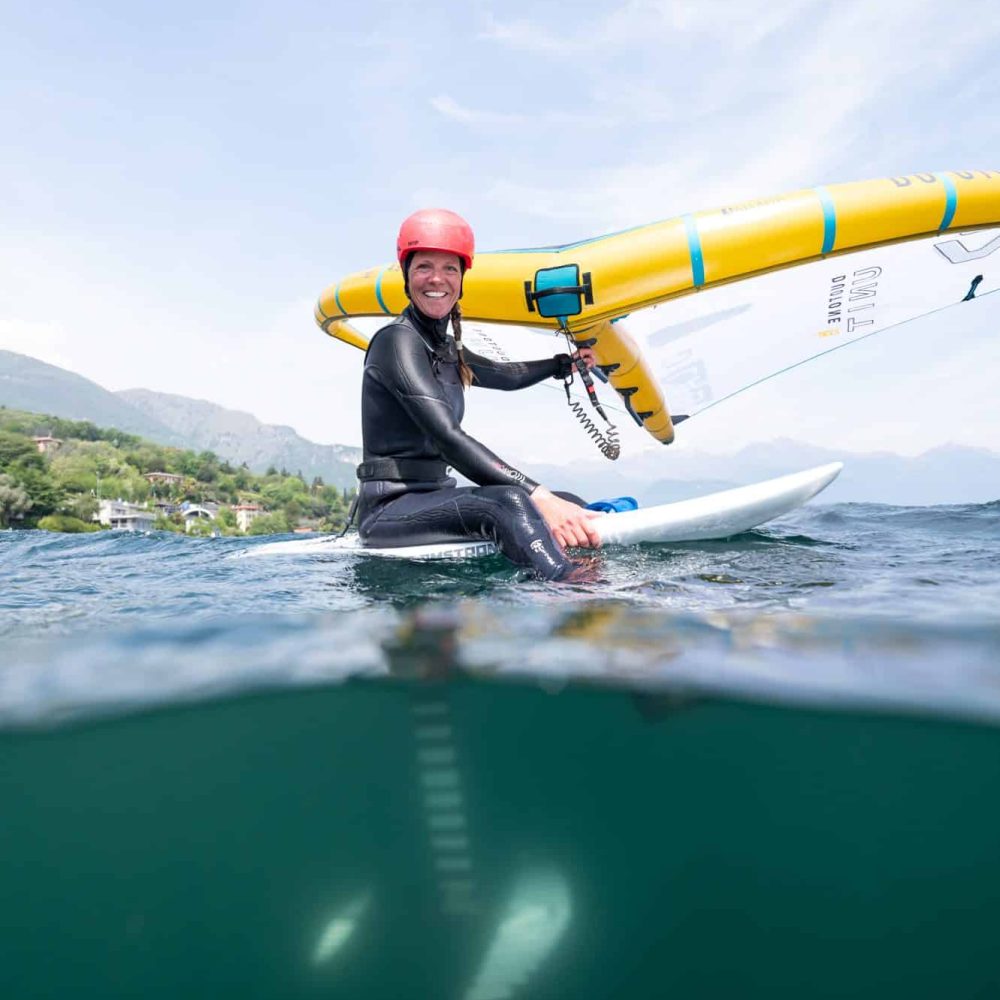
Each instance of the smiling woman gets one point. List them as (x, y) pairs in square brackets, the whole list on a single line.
[(412, 405)]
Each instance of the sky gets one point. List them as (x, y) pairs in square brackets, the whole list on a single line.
[(181, 181)]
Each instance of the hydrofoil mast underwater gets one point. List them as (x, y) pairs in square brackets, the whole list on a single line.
[(686, 313)]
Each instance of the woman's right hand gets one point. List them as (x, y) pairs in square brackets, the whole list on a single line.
[(571, 526)]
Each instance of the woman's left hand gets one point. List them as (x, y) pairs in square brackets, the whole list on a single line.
[(586, 355)]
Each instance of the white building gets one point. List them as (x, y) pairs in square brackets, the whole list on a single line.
[(122, 516), (198, 512)]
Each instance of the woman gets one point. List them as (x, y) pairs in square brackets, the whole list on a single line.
[(412, 404)]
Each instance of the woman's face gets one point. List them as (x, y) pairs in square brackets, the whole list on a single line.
[(435, 282)]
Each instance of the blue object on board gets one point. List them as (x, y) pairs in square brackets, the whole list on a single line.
[(617, 505)]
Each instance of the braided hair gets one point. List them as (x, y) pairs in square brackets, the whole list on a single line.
[(464, 371)]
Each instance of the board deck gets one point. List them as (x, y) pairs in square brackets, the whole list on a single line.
[(717, 515)]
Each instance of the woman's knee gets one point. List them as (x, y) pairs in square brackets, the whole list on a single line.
[(510, 497)]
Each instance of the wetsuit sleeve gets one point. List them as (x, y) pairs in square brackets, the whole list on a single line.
[(509, 375), (398, 358)]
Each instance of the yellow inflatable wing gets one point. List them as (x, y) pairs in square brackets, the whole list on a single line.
[(586, 288)]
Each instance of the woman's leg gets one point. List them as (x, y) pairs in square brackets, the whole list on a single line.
[(502, 514)]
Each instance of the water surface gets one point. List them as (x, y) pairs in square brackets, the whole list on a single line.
[(766, 766)]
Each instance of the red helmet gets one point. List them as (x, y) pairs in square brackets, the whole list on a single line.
[(436, 229)]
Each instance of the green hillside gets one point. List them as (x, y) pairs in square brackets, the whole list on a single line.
[(62, 488), (239, 438)]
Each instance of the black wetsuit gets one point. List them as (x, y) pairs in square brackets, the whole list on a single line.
[(412, 404)]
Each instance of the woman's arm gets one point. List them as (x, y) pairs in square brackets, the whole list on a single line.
[(507, 375)]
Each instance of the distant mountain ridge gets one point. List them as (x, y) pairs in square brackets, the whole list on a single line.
[(241, 437), (32, 385), (29, 384), (950, 474)]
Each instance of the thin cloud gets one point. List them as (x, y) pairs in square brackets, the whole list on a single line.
[(528, 36), (645, 22), (450, 108), (737, 26)]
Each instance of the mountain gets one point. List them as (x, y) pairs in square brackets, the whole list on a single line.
[(951, 474), (241, 437), (29, 384), (32, 385)]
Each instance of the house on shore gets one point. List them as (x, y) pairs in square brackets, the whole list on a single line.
[(164, 479), (246, 514), (45, 443), (194, 512), (120, 515)]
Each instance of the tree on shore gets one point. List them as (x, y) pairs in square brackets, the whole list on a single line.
[(92, 463), (14, 501)]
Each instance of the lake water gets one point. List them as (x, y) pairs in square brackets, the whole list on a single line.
[(766, 766)]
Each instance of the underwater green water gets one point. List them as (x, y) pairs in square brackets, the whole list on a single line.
[(762, 767), (474, 839)]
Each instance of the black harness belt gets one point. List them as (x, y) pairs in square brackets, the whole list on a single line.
[(403, 470)]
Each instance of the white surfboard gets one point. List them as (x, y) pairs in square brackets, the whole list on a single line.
[(718, 515)]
